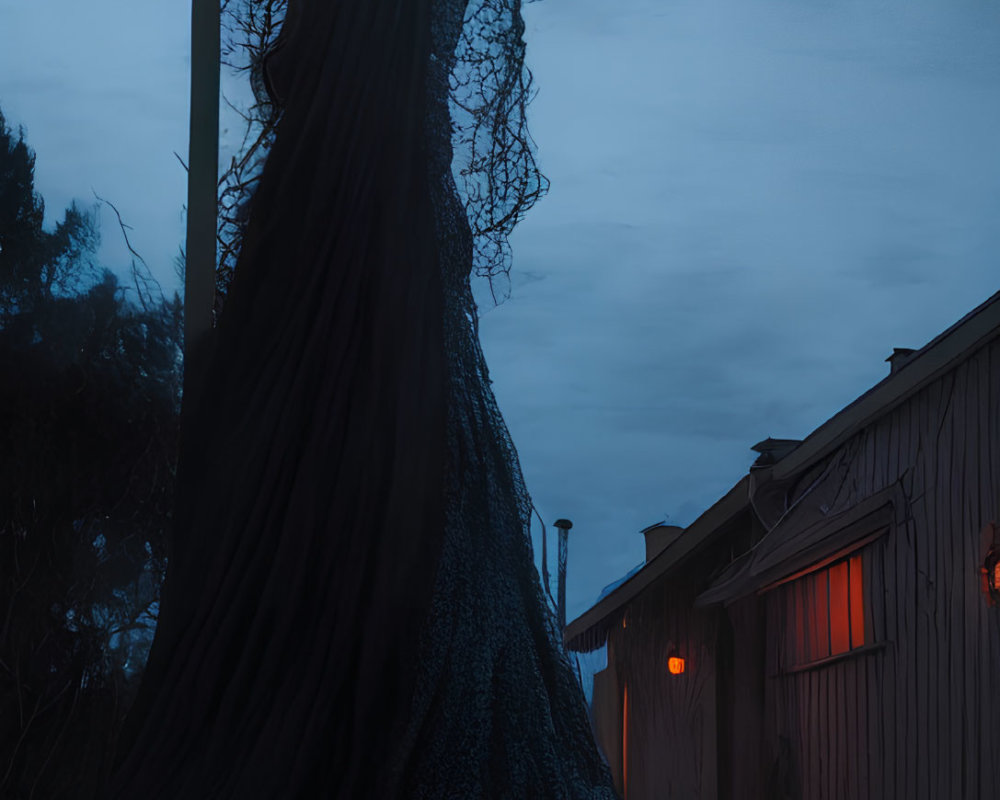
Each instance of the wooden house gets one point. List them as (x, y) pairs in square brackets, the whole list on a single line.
[(828, 629)]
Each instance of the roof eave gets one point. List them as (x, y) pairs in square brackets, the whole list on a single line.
[(937, 357), (696, 535)]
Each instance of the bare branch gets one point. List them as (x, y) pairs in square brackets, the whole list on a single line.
[(144, 279)]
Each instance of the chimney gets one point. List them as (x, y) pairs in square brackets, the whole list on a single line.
[(563, 526), (899, 357), (773, 450), (659, 537)]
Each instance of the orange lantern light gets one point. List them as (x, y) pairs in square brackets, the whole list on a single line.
[(675, 664), (990, 571), (990, 568)]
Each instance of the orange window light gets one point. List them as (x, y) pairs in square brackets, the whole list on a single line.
[(857, 603), (675, 664), (840, 613)]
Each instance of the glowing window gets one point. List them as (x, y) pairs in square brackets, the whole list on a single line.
[(827, 613)]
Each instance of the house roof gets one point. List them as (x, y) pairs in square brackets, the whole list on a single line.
[(922, 367), (587, 631), (815, 542)]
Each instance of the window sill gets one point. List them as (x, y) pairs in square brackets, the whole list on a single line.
[(824, 662)]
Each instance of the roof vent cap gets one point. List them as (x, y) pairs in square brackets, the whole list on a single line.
[(773, 450), (899, 357), (659, 537)]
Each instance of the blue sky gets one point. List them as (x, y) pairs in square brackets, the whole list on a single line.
[(752, 203)]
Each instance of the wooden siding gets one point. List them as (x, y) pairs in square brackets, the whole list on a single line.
[(912, 715), (919, 718), (749, 758), (823, 711), (673, 740), (606, 714)]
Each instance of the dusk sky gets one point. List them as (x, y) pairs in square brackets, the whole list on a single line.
[(752, 203)]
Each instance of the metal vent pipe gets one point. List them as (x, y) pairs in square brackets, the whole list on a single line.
[(563, 525)]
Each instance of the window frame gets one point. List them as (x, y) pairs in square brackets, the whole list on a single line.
[(785, 653), (820, 602)]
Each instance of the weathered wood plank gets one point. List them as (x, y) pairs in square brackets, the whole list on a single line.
[(990, 627), (874, 755), (828, 729), (812, 709), (841, 698), (904, 570), (956, 638), (950, 629), (885, 690), (852, 738), (922, 533), (893, 448), (905, 737), (865, 739), (866, 476), (939, 540), (966, 597)]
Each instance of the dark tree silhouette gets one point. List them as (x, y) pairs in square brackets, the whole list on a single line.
[(34, 263), (351, 607), (89, 391), (250, 29)]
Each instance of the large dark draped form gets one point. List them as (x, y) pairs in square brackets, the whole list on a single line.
[(351, 608)]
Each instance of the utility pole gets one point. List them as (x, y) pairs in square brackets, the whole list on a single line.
[(563, 525), (202, 200)]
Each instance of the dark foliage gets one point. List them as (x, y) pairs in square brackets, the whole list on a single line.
[(89, 396), (34, 263), (250, 29)]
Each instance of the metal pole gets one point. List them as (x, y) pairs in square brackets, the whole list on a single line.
[(563, 525), (203, 177)]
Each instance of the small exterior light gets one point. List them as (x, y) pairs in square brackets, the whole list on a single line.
[(991, 576), (989, 570), (675, 664)]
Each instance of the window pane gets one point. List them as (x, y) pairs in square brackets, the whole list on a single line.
[(819, 639), (840, 640), (800, 650), (857, 593)]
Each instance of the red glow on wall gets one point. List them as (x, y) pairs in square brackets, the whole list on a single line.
[(625, 743)]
